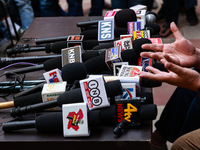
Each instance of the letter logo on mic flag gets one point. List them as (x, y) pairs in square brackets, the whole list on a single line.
[(75, 120), (53, 76), (71, 55), (125, 44), (128, 109), (94, 93), (144, 62), (129, 90), (113, 55), (106, 30)]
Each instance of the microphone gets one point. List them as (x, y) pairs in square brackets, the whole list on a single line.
[(113, 88), (33, 59), (50, 40), (154, 27), (97, 64), (53, 122), (23, 101), (123, 16), (70, 73), (47, 66)]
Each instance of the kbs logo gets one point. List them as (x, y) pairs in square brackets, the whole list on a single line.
[(127, 93), (106, 30), (75, 119), (54, 77), (92, 93)]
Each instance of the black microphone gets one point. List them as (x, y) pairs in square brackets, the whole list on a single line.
[(113, 88), (50, 39), (123, 16), (53, 122), (97, 64), (32, 59), (47, 66)]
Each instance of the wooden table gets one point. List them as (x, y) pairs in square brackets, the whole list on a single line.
[(101, 138)]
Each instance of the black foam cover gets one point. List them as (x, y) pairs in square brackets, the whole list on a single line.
[(113, 88), (108, 115), (103, 46), (149, 83), (148, 95), (73, 71), (28, 99), (91, 34), (57, 46), (96, 64), (72, 96), (53, 63), (130, 56), (89, 44), (154, 26), (49, 123), (89, 54), (160, 66), (123, 16), (138, 43), (119, 31), (148, 112)]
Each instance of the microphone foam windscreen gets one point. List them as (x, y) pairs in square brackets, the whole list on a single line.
[(148, 112), (149, 83), (94, 118), (91, 34), (138, 43), (53, 63), (89, 44), (88, 55), (96, 65), (73, 71), (154, 26), (57, 46), (72, 96), (120, 31), (103, 46), (123, 16), (108, 115), (28, 99), (129, 56), (148, 95), (113, 88), (49, 123), (160, 67)]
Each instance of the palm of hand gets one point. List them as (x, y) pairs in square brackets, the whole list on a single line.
[(181, 52)]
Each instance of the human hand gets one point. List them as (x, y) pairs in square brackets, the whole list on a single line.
[(176, 75), (181, 52)]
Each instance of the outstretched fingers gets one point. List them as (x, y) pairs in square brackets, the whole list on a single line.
[(154, 47), (176, 31)]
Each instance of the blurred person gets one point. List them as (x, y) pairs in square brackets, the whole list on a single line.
[(123, 4), (170, 11)]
